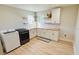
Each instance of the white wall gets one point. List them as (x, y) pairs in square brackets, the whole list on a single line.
[(76, 43), (68, 20), (12, 17)]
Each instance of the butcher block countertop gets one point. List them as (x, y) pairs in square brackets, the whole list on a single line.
[(54, 29)]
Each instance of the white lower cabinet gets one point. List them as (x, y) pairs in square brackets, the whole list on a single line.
[(54, 35), (32, 33), (49, 34), (40, 32)]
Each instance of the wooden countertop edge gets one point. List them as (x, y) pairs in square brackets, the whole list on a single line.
[(54, 29)]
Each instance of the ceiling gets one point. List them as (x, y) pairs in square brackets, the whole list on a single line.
[(37, 7)]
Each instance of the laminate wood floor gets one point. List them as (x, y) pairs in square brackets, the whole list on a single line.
[(39, 47)]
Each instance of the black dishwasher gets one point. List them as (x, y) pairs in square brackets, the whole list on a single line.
[(23, 35)]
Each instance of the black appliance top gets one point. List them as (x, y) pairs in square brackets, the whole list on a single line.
[(22, 30)]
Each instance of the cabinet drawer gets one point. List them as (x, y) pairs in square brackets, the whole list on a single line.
[(32, 33)]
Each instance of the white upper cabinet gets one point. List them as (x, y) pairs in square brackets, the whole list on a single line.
[(56, 15), (53, 16)]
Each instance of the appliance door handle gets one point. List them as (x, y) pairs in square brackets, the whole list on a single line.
[(24, 33)]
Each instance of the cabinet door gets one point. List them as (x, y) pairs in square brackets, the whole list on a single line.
[(44, 33), (56, 15), (40, 32), (49, 34), (55, 35), (32, 33)]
